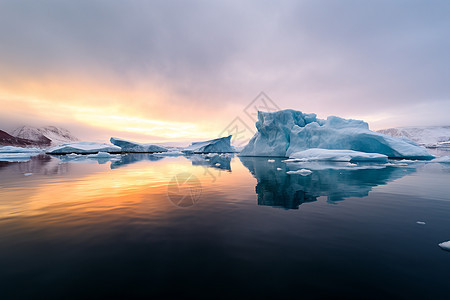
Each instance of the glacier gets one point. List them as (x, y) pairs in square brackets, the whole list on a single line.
[(220, 145), (337, 155), (84, 148), (285, 132), (133, 147)]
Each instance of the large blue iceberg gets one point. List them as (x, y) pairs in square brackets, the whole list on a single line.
[(285, 132)]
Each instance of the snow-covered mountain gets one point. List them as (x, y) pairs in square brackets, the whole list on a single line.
[(8, 140), (428, 136), (56, 135)]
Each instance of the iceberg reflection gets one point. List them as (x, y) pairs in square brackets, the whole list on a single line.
[(336, 181), (39, 164), (129, 158), (217, 161)]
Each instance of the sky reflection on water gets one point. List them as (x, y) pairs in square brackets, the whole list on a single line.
[(111, 228)]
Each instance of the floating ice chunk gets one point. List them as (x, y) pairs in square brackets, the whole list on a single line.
[(395, 164), (84, 148), (27, 174), (217, 164), (101, 155), (220, 145), (303, 172), (445, 245), (171, 153), (133, 147), (337, 155), (279, 169), (420, 223), (332, 165), (13, 149), (442, 159), (271, 160), (285, 132)]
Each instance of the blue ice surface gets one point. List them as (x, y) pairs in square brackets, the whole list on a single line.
[(219, 145), (129, 146)]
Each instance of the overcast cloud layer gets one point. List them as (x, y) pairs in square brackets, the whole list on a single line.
[(202, 62)]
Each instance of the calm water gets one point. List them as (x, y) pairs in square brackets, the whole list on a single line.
[(144, 226)]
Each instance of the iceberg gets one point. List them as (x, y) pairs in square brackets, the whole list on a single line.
[(17, 154), (337, 155), (84, 148), (133, 147), (13, 149), (285, 132), (220, 145)]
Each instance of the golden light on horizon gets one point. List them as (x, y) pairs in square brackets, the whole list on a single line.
[(72, 102)]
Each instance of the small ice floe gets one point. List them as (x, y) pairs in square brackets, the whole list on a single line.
[(279, 169), (271, 160), (351, 165), (400, 164), (420, 223), (217, 165), (303, 172), (100, 155), (445, 246), (316, 154), (28, 174)]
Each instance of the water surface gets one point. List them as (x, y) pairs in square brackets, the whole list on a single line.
[(145, 226)]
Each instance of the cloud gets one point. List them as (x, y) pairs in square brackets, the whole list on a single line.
[(201, 62)]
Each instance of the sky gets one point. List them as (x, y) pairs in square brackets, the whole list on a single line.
[(179, 71)]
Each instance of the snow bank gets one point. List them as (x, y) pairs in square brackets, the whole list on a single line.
[(285, 132), (220, 145), (337, 155), (129, 146), (83, 148)]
